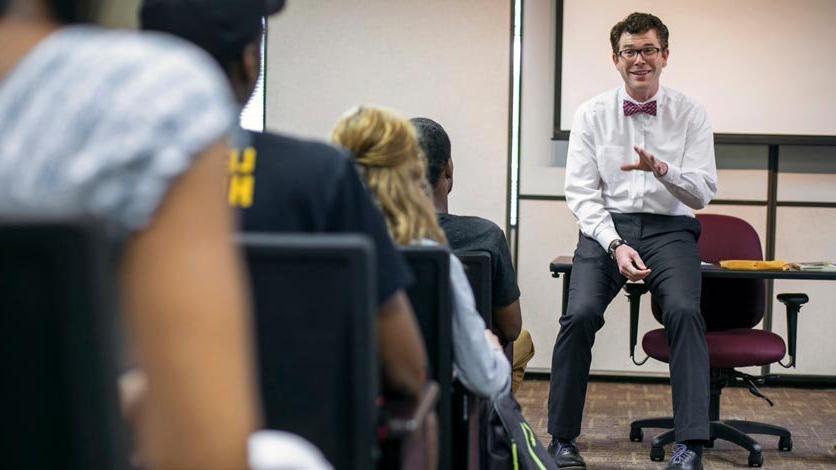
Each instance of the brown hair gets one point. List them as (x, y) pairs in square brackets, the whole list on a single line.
[(391, 162), (638, 23)]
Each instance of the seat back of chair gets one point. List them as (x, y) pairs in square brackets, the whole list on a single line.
[(729, 303), (58, 398), (315, 322), (430, 296), (467, 407), (477, 265)]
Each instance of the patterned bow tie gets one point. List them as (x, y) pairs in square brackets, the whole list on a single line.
[(631, 108)]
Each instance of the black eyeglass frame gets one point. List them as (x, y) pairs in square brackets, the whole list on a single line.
[(644, 51)]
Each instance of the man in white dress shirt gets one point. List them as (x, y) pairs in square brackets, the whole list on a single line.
[(640, 160)]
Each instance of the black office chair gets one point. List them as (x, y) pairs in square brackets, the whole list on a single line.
[(477, 266), (58, 398), (468, 431), (315, 308), (430, 296), (731, 308)]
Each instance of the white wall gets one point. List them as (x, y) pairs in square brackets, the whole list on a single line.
[(447, 60), (758, 66)]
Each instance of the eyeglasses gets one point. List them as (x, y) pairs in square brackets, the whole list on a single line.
[(646, 52)]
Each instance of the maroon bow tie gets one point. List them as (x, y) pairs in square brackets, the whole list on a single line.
[(631, 108)]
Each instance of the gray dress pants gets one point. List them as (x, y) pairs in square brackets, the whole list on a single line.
[(667, 245)]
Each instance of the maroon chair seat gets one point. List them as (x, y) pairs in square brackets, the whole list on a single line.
[(740, 347)]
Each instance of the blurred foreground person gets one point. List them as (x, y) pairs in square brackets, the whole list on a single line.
[(132, 130)]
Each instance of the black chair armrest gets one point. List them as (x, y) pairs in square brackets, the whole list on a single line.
[(793, 303), (634, 293)]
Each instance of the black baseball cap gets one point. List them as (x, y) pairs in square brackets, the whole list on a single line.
[(221, 27)]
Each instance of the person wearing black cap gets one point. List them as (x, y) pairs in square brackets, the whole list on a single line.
[(295, 185)]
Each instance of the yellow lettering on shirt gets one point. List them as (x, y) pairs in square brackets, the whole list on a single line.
[(241, 190), (241, 180)]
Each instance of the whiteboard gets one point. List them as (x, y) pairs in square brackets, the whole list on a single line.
[(758, 66)]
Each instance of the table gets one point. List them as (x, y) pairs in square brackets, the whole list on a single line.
[(563, 265)]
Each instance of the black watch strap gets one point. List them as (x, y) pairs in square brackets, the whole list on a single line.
[(613, 245)]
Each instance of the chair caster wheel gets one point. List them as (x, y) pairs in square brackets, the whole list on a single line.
[(785, 444), (636, 434), (657, 454), (755, 459)]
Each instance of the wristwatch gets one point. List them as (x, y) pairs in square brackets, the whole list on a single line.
[(613, 245)]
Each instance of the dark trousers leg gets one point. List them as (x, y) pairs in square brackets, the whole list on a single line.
[(675, 282), (595, 281)]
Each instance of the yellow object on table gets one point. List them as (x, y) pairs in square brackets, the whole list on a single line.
[(757, 265)]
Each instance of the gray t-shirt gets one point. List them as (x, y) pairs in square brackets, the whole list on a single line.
[(99, 123)]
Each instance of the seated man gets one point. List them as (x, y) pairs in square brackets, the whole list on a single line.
[(283, 184), (477, 234)]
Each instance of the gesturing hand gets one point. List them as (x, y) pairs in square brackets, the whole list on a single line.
[(647, 162), (630, 264)]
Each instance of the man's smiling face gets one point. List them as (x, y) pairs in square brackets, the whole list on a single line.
[(641, 73)]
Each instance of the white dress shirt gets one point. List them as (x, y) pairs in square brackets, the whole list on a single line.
[(602, 140)]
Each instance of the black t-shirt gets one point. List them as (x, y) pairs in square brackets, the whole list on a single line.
[(468, 233), (281, 184)]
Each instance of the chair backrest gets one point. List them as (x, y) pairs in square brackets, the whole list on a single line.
[(729, 303), (315, 307), (430, 296), (58, 398), (477, 265), (467, 407)]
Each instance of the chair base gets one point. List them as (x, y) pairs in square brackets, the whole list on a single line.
[(734, 431)]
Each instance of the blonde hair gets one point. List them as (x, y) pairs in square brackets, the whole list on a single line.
[(386, 149)]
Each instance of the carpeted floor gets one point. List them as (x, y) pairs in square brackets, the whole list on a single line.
[(610, 407)]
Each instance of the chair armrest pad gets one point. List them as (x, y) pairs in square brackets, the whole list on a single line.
[(793, 299)]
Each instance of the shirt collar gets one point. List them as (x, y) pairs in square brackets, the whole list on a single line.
[(659, 96)]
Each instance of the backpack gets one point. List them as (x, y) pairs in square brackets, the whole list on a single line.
[(510, 441)]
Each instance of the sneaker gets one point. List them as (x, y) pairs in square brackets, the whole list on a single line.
[(684, 458), (566, 455)]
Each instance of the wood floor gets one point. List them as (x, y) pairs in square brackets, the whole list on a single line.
[(810, 414)]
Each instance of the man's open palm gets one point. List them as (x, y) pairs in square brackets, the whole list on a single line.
[(647, 162)]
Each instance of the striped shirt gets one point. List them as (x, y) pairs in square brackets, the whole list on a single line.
[(99, 123)]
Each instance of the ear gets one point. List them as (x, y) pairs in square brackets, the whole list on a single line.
[(448, 175), (251, 61), (615, 59), (665, 54)]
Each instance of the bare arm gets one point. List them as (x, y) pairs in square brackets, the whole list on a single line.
[(402, 353), (183, 294), (507, 321)]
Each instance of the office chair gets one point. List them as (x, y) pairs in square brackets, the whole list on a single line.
[(470, 426), (58, 398), (315, 305), (431, 298), (731, 309)]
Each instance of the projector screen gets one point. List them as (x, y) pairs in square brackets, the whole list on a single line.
[(758, 66)]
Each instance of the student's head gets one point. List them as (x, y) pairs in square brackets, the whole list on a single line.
[(59, 11), (436, 146), (640, 52), (230, 31), (390, 160)]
